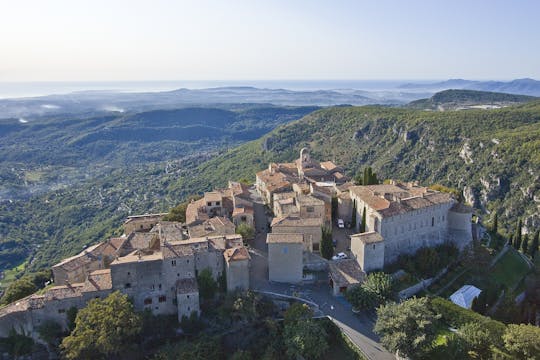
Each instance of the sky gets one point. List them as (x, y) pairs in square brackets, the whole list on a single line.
[(113, 40)]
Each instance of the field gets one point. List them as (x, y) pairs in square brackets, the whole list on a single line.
[(509, 270)]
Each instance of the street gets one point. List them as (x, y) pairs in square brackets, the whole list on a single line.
[(358, 327)]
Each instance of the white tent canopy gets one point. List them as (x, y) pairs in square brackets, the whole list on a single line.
[(465, 295)]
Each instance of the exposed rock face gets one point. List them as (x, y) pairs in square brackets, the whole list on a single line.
[(466, 153), (469, 196)]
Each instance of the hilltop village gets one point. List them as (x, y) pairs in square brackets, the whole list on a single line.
[(157, 262)]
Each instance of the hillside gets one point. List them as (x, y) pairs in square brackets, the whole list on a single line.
[(58, 151), (492, 156), (467, 99), (518, 86)]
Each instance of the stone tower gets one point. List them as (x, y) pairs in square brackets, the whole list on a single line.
[(304, 161)]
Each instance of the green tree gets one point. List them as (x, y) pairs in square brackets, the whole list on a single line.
[(479, 339), (334, 208), (363, 224), (50, 332), (523, 341), (303, 335), (327, 248), (353, 219), (534, 244), (495, 227), (360, 298), (379, 284), (105, 327), (408, 327), (201, 348), (511, 240), (71, 315), (247, 231), (207, 284), (525, 244), (19, 289), (16, 344), (178, 213), (517, 237)]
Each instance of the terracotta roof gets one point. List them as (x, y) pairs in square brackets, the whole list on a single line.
[(368, 237), (196, 211), (171, 231), (272, 238), (212, 227), (98, 280), (187, 286), (224, 242), (274, 181), (87, 256), (236, 254), (138, 256), (328, 165), (346, 272), (213, 196), (391, 200), (292, 220), (242, 210), (138, 241), (308, 200)]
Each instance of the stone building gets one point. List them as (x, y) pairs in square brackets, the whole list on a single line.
[(285, 257), (237, 268), (310, 228), (368, 249), (156, 269), (345, 274), (142, 222), (407, 217)]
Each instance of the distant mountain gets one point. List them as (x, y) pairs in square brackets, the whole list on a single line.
[(519, 86), (466, 99)]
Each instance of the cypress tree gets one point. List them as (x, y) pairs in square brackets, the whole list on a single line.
[(525, 244), (327, 248), (363, 225), (517, 238), (510, 239), (534, 244), (353, 220), (495, 223)]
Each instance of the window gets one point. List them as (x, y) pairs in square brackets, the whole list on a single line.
[(188, 308), (141, 226), (217, 203), (432, 221), (373, 246), (209, 204), (127, 286), (310, 209), (159, 286), (178, 274), (61, 311), (129, 273), (173, 262), (243, 218), (284, 250), (162, 298), (188, 296), (148, 301)]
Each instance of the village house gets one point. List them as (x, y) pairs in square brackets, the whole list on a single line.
[(285, 257)]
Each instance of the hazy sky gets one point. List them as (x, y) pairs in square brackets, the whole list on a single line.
[(291, 39)]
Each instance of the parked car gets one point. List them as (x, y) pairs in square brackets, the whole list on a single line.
[(340, 223), (339, 256)]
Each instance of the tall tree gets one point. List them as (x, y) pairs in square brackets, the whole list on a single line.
[(517, 237), (522, 341), (327, 248), (495, 227), (408, 327), (511, 240), (363, 224), (353, 220), (105, 327), (534, 244), (525, 244)]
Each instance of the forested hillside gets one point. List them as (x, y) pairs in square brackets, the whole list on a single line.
[(493, 156)]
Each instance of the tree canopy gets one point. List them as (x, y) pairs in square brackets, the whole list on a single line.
[(103, 327)]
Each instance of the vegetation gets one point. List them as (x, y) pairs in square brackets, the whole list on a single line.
[(523, 341), (247, 231), (427, 261), (408, 327), (207, 285), (375, 290), (303, 336), (450, 99), (327, 247), (105, 327), (24, 286)]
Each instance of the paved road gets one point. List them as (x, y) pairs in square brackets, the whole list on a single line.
[(359, 327)]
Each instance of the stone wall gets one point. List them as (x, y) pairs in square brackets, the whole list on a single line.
[(285, 262), (238, 275)]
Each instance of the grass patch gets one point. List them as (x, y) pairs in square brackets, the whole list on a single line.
[(509, 270), (11, 275)]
